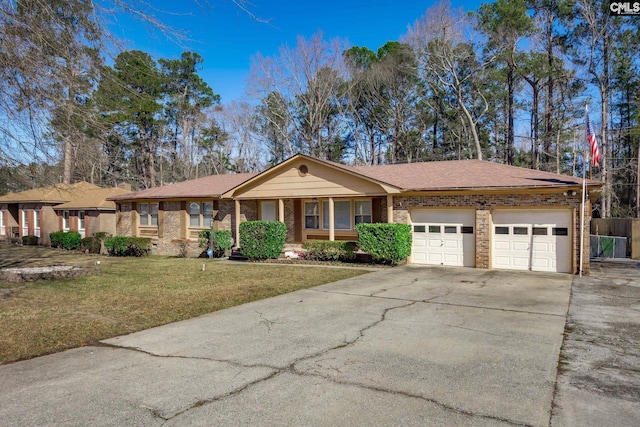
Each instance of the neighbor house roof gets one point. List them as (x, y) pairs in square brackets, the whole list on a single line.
[(54, 194), (464, 174), (209, 186), (94, 199)]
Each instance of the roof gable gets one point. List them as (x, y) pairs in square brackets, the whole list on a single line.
[(305, 176)]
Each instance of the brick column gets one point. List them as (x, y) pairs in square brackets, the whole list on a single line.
[(483, 238)]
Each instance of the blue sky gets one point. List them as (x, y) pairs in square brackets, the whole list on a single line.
[(227, 38)]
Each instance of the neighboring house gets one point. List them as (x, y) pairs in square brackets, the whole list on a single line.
[(463, 213), (78, 207)]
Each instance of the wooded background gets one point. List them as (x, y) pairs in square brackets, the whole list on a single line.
[(506, 83)]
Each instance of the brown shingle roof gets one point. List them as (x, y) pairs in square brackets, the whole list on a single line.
[(209, 186), (464, 174), (54, 194), (94, 199)]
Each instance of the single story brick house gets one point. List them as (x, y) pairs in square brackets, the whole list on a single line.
[(78, 207), (463, 212)]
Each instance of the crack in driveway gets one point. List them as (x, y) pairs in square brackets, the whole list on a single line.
[(292, 368)]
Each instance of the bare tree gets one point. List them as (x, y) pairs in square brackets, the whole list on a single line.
[(238, 121), (447, 60), (50, 55), (310, 77), (593, 37)]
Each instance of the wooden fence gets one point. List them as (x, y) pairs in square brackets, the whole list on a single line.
[(621, 227)]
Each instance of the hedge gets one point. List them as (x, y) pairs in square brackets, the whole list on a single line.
[(30, 240), (128, 246), (262, 239), (94, 243), (70, 240), (222, 241), (389, 243), (325, 250)]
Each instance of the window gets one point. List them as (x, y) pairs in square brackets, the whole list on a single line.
[(200, 214), (560, 231), (450, 229), (25, 222), (434, 229), (268, 210), (502, 230), (148, 214), (539, 231), (65, 220), (520, 231), (466, 229), (341, 215), (36, 221), (419, 228), (81, 220), (362, 212), (311, 215)]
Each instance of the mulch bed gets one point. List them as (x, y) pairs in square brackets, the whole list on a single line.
[(302, 261)]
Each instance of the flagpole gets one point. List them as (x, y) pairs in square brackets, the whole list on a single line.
[(582, 204)]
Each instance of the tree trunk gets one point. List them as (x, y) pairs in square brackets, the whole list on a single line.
[(548, 110), (510, 134), (604, 91)]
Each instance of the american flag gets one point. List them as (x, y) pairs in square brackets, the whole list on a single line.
[(591, 139)]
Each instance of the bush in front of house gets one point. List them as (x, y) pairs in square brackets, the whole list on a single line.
[(388, 243), (325, 250), (222, 241), (93, 244), (70, 240), (30, 240), (262, 239), (128, 246)]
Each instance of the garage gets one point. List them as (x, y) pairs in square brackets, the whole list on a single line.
[(443, 237), (533, 240)]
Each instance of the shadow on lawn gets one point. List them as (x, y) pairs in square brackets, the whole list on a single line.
[(18, 256)]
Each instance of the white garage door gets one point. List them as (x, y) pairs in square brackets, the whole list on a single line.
[(443, 237), (532, 240)]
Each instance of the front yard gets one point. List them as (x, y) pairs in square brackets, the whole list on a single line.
[(127, 295)]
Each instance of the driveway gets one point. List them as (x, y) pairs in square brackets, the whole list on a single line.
[(599, 378), (404, 346)]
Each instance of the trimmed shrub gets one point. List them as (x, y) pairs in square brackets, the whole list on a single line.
[(222, 241), (69, 240), (262, 239), (30, 240), (91, 244), (128, 246), (325, 250), (389, 243), (56, 239)]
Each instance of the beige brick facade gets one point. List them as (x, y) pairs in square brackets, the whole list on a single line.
[(483, 206), (170, 237)]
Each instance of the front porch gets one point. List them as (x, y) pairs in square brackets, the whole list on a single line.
[(316, 218)]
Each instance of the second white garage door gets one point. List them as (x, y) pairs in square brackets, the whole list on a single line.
[(536, 240), (443, 237)]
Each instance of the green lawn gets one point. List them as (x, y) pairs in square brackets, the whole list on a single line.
[(129, 295)]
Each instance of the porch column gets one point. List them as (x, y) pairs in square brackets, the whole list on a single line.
[(281, 210), (237, 212), (332, 231), (389, 208)]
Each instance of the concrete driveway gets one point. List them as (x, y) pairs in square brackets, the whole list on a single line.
[(404, 346)]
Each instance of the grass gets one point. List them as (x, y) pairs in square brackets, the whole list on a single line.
[(128, 295)]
